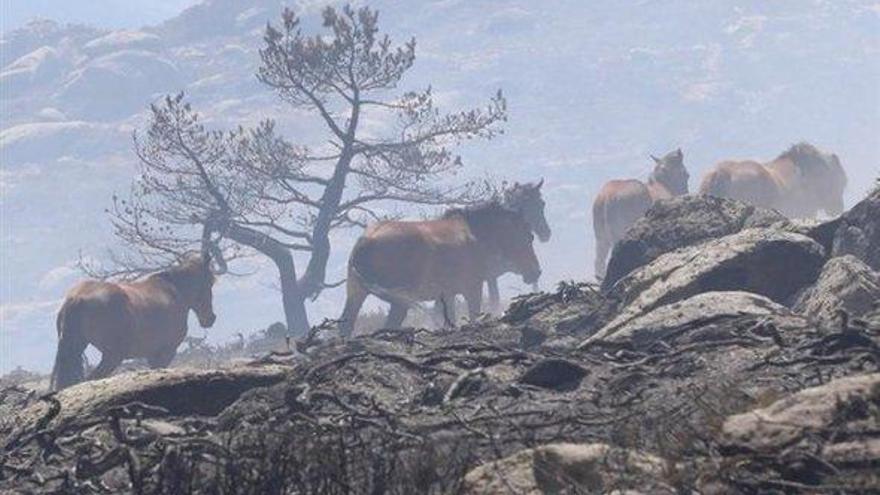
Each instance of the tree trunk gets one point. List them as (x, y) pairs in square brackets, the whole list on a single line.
[(297, 319), (292, 297)]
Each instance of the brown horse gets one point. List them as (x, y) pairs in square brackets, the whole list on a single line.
[(526, 200), (435, 260), (798, 183), (621, 202), (142, 319)]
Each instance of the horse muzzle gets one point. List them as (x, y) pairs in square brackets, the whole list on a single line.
[(544, 233), (531, 278), (208, 321)]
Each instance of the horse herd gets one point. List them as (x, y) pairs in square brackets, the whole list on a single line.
[(407, 262)]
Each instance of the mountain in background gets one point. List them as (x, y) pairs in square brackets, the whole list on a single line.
[(593, 89)]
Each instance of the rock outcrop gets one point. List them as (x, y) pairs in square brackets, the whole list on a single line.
[(852, 402), (858, 231), (695, 314), (823, 435), (764, 261), (846, 283), (568, 468), (681, 222), (178, 391)]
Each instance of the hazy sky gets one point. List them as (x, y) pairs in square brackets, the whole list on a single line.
[(100, 13), (593, 88)]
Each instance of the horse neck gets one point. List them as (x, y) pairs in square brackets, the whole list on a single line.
[(482, 221), (784, 173), (177, 283), (513, 203), (658, 190)]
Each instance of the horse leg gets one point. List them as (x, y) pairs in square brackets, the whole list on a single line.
[(396, 315), (602, 247), (474, 298), (354, 299), (162, 358), (444, 311), (109, 362), (494, 295), (600, 229)]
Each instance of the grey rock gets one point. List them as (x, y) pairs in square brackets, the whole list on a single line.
[(858, 231), (690, 315), (555, 374), (840, 405), (680, 222), (567, 468), (117, 84), (764, 261), (846, 283)]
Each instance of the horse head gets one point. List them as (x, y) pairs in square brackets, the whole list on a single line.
[(822, 179), (834, 202), (197, 287), (671, 172), (512, 239), (526, 199)]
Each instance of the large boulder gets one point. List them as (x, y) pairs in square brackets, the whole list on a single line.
[(568, 468), (180, 391), (821, 435), (37, 68), (118, 84), (695, 314), (763, 261), (46, 142), (123, 40), (680, 222), (846, 283), (858, 231)]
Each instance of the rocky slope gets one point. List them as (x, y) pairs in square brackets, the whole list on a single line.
[(697, 371)]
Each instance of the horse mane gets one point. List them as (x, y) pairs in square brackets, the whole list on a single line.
[(478, 214), (492, 206), (805, 155), (182, 272)]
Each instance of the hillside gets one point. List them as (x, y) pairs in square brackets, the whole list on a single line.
[(754, 370)]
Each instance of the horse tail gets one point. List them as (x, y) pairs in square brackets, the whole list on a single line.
[(69, 369), (716, 183), (602, 231)]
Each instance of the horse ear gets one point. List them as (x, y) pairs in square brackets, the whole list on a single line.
[(656, 160), (540, 183)]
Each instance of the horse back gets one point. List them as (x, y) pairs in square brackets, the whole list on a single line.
[(421, 258), (102, 312), (95, 294), (745, 180), (618, 205)]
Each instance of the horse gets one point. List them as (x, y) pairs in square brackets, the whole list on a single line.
[(141, 319), (621, 202), (799, 183), (404, 262), (526, 200)]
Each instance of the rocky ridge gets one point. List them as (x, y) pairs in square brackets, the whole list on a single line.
[(696, 371)]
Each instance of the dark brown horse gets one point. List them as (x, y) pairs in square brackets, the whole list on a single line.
[(142, 319), (527, 201), (798, 183), (435, 260), (621, 202)]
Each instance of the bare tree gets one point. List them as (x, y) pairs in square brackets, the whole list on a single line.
[(249, 190)]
